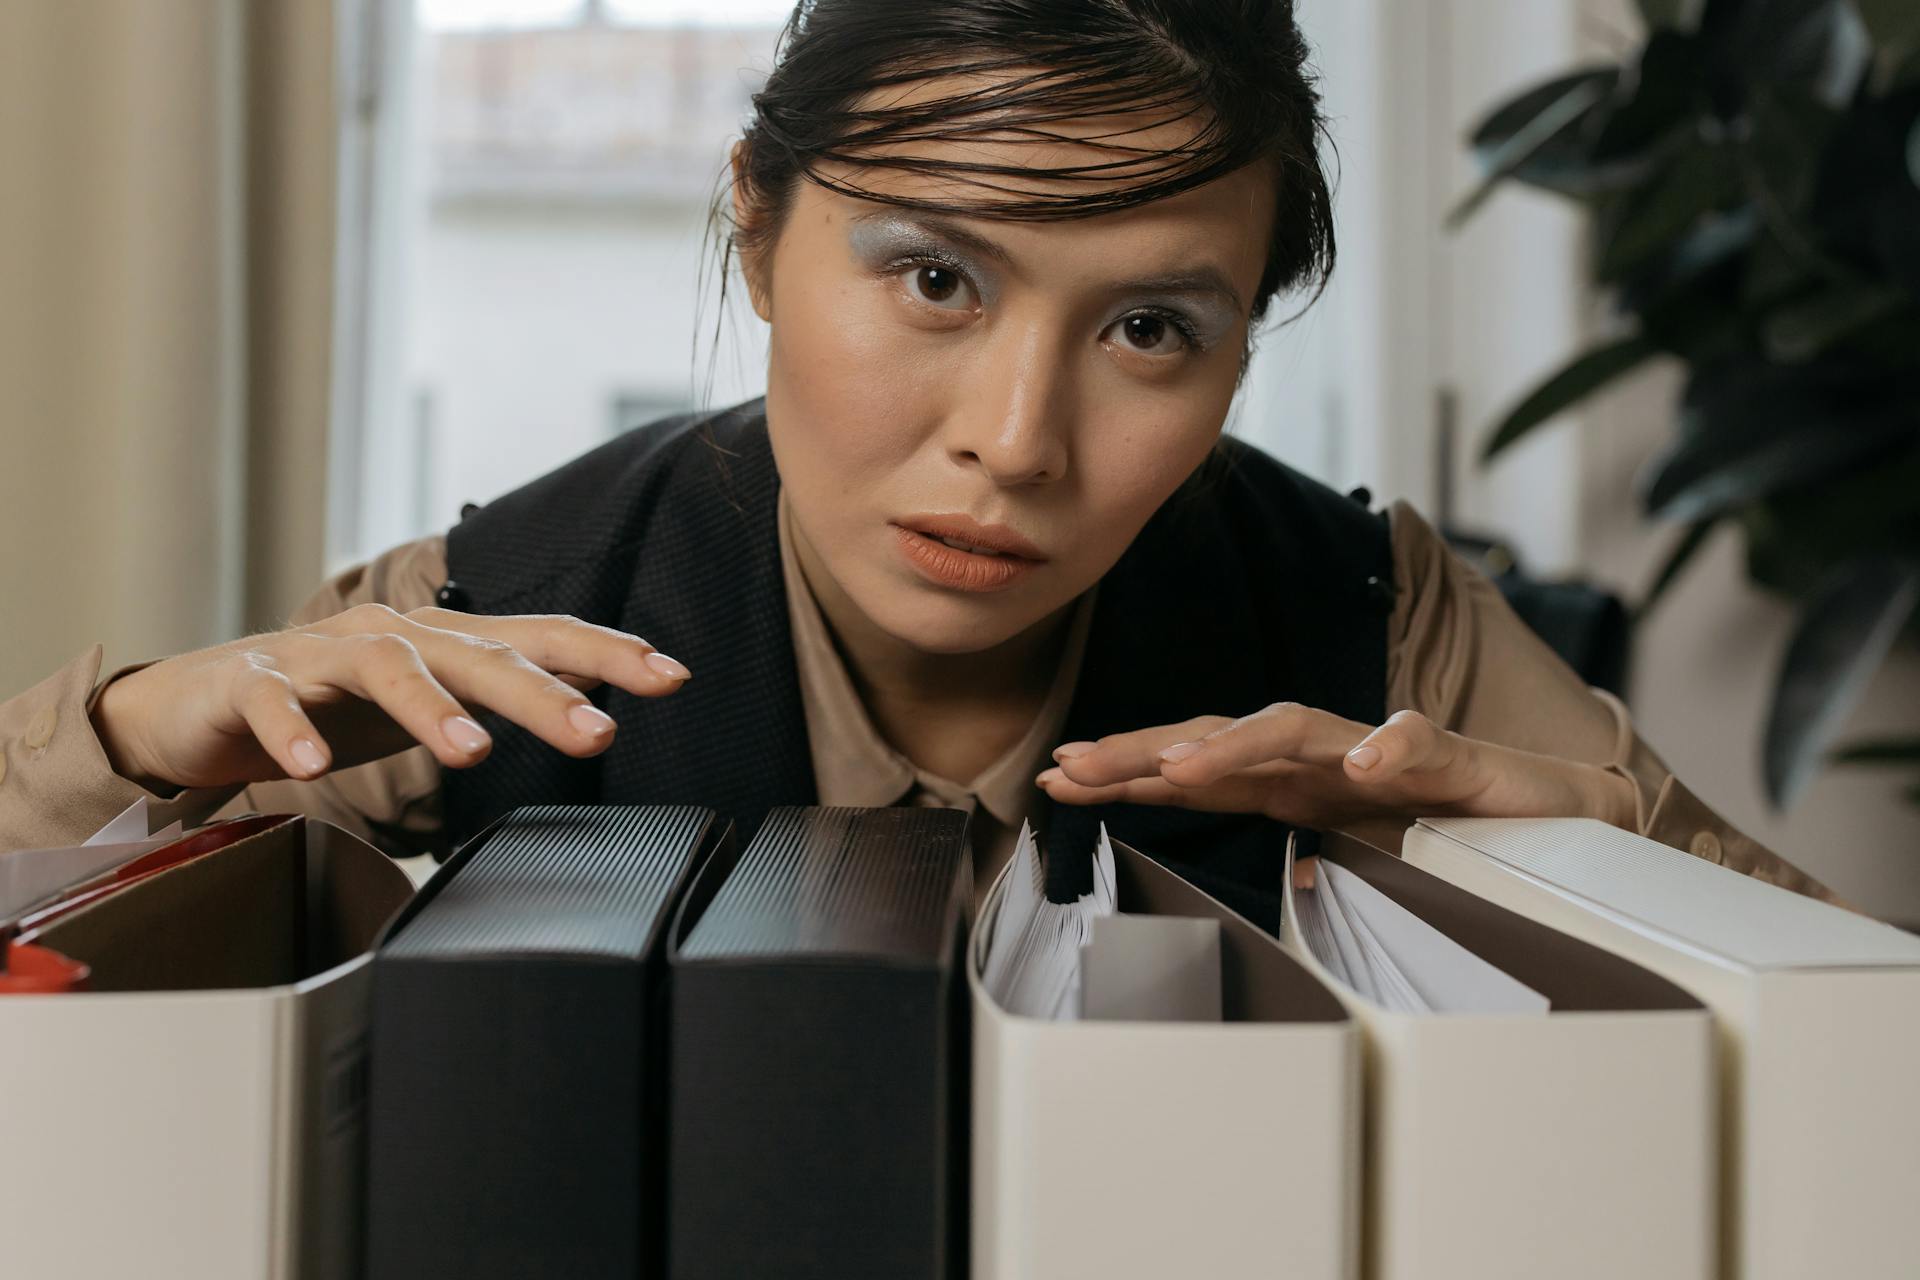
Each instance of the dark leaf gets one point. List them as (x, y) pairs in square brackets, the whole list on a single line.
[(1669, 13), (1701, 323), (1695, 185), (1781, 157), (1893, 26), (1682, 552), (1843, 635), (1896, 238), (1541, 146), (1748, 43), (1650, 103), (1711, 244), (1879, 751), (1810, 326), (1795, 539), (1571, 384), (1862, 168), (1750, 429)]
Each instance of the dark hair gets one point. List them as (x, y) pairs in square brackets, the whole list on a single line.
[(1236, 68)]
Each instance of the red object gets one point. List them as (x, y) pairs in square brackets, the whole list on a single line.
[(35, 970), (30, 969), (185, 849)]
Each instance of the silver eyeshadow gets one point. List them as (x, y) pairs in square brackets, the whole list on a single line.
[(881, 240)]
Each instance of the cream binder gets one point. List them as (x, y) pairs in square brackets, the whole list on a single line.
[(1820, 1011), (1110, 1150), (1573, 1144)]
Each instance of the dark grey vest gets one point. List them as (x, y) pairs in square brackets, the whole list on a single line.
[(1252, 585)]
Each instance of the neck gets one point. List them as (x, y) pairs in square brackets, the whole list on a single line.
[(893, 676)]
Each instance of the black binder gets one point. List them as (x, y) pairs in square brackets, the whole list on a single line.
[(517, 1099), (819, 1053)]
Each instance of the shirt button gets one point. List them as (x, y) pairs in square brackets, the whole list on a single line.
[(1706, 845), (40, 728)]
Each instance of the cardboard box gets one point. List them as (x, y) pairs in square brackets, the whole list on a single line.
[(1112, 1150), (199, 1112), (1578, 1143)]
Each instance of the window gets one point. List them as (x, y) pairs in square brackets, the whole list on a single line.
[(534, 186), (525, 264)]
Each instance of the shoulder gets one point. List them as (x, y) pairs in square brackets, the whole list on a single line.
[(595, 508), (403, 577)]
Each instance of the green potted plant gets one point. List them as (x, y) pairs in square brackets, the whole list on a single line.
[(1752, 175)]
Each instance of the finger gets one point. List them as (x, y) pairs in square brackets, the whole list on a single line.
[(1231, 795), (1285, 731), (1407, 742), (266, 701), (1120, 756), (569, 647), (481, 670), (1303, 869), (386, 670), (488, 672)]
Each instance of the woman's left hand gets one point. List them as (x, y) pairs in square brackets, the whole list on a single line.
[(1311, 768)]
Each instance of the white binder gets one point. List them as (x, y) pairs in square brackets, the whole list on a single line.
[(1110, 1150), (1577, 1143), (1820, 1010)]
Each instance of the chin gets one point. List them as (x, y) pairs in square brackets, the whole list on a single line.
[(934, 622)]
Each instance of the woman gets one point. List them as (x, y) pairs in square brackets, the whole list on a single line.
[(981, 544)]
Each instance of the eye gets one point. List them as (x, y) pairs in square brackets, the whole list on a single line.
[(939, 286), (1150, 333)]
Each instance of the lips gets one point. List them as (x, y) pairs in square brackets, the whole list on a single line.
[(965, 534)]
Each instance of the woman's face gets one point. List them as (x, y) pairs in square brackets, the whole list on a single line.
[(1030, 390)]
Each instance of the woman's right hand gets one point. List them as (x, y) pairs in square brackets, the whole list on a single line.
[(363, 684)]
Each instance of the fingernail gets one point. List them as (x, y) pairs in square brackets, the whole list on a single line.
[(1072, 750), (667, 667), (306, 754), (1364, 756), (1179, 751), (1049, 775), (463, 733), (590, 720)]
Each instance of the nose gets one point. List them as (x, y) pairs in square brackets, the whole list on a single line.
[(1016, 425)]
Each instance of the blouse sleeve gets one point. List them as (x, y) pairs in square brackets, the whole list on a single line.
[(57, 786), (1459, 655)]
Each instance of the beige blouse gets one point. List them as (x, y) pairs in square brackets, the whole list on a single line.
[(1456, 653)]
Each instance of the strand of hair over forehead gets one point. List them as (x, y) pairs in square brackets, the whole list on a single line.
[(1017, 85)]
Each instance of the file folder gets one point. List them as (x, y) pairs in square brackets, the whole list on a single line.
[(198, 1112), (819, 1052), (518, 1017), (1114, 1150), (1577, 1143), (1819, 1010)]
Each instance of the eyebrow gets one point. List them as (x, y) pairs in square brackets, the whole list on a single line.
[(1201, 280)]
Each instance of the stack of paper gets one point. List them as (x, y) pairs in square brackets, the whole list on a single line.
[(1382, 951), (1033, 959)]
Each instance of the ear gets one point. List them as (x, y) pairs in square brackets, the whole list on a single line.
[(752, 249)]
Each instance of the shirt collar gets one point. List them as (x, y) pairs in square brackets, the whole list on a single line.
[(854, 765)]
